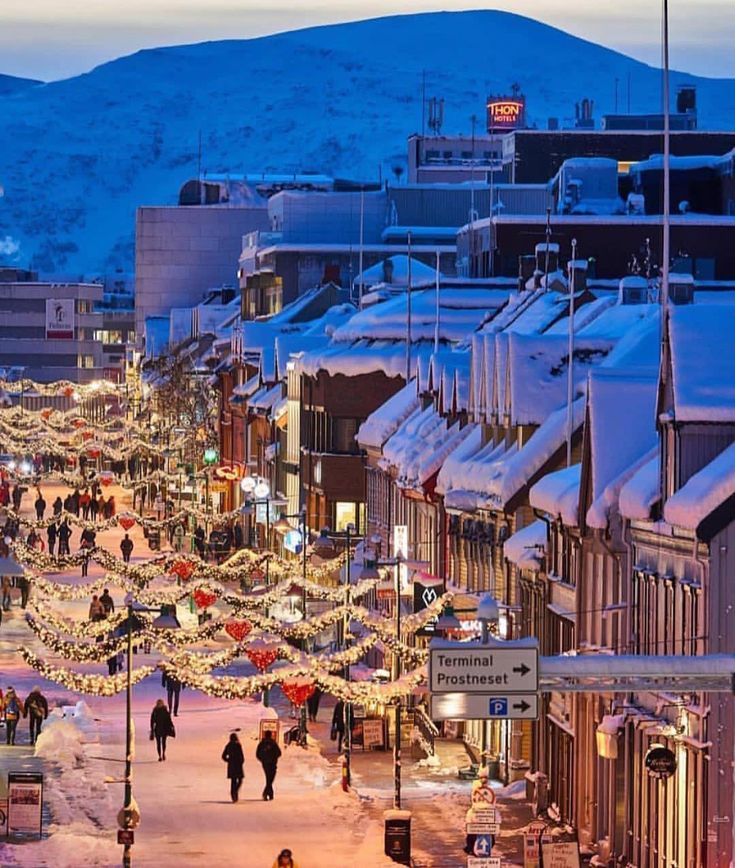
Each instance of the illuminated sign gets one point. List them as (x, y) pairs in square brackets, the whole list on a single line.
[(505, 114)]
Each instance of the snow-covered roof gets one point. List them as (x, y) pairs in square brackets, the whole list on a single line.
[(420, 445), (702, 362), (460, 313), (558, 494), (641, 492), (384, 421), (265, 398), (394, 271), (247, 388), (700, 496), (365, 357), (527, 546), (622, 408)]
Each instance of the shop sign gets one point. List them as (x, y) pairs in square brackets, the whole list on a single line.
[(660, 762)]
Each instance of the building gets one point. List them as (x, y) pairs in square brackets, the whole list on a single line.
[(51, 330), (454, 159)]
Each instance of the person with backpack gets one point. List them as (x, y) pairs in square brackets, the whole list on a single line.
[(13, 707), (126, 547), (234, 757), (268, 753), (36, 710)]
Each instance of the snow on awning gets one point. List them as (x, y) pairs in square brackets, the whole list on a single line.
[(558, 494), (599, 512), (700, 496), (386, 420), (638, 496), (527, 546)]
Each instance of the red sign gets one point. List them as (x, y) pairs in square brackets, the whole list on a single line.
[(505, 114)]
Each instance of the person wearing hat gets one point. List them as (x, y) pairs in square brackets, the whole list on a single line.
[(13, 707), (285, 860)]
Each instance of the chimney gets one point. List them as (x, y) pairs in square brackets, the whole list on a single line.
[(388, 271), (541, 256), (526, 268)]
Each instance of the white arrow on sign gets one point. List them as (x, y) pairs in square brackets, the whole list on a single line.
[(476, 706), (502, 668)]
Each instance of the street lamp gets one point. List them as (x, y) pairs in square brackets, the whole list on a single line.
[(257, 490), (129, 816)]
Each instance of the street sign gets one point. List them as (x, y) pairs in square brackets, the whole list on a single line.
[(482, 828), (483, 845), (480, 862), (502, 667), (560, 855), (483, 800), (477, 706), (126, 836)]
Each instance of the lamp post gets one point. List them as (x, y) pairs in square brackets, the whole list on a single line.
[(258, 490), (129, 816), (324, 542), (488, 612)]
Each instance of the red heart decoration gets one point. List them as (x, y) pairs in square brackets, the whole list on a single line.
[(106, 480), (126, 522), (261, 657), (87, 435), (183, 569), (93, 452), (203, 599), (79, 423), (69, 391), (298, 691), (238, 629), (46, 414)]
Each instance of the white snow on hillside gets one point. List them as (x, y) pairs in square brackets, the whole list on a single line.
[(78, 156)]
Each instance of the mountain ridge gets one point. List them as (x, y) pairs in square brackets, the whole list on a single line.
[(77, 155)]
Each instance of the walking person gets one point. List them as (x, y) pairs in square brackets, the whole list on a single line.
[(17, 497), (24, 586), (6, 586), (84, 501), (13, 707), (233, 756), (93, 508), (268, 754), (285, 860), (178, 538), (40, 506), (36, 710), (108, 603), (162, 727), (96, 609), (173, 692), (312, 704), (58, 505), (52, 533), (338, 724), (126, 547), (101, 507)]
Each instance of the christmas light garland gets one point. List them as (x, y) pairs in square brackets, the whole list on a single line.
[(95, 685)]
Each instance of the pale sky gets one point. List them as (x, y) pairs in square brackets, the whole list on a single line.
[(51, 39)]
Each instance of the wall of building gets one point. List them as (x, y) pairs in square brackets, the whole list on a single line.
[(182, 252)]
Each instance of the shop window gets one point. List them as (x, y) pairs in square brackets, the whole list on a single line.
[(344, 514)]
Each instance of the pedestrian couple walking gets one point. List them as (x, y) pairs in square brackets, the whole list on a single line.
[(267, 754)]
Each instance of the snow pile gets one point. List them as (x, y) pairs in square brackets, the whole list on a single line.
[(702, 363), (558, 494), (379, 426), (60, 741), (703, 492), (640, 493), (527, 546)]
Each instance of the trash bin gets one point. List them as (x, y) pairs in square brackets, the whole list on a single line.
[(398, 836)]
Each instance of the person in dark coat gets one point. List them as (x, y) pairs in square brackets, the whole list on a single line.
[(17, 497), (107, 602), (233, 756), (126, 547), (268, 754), (173, 692), (36, 710), (64, 537), (58, 506), (338, 724), (237, 535), (40, 506), (161, 727), (51, 533), (312, 704)]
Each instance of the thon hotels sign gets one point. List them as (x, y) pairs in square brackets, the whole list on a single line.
[(505, 113)]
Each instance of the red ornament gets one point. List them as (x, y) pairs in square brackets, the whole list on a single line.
[(257, 575), (69, 391), (79, 423), (183, 569), (87, 435), (106, 480), (261, 655), (238, 629), (298, 691), (126, 522), (93, 452), (203, 599), (46, 413)]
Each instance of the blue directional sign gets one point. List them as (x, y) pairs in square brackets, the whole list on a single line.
[(483, 845), (498, 706)]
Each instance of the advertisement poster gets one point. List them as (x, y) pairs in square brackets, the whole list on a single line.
[(372, 733), (25, 802), (60, 319)]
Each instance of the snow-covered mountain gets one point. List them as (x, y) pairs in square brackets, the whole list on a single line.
[(12, 84), (77, 156)]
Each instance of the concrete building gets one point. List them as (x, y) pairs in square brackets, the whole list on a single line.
[(181, 252), (50, 329), (453, 159)]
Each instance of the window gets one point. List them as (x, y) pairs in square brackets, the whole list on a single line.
[(344, 514), (85, 361), (344, 432)]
